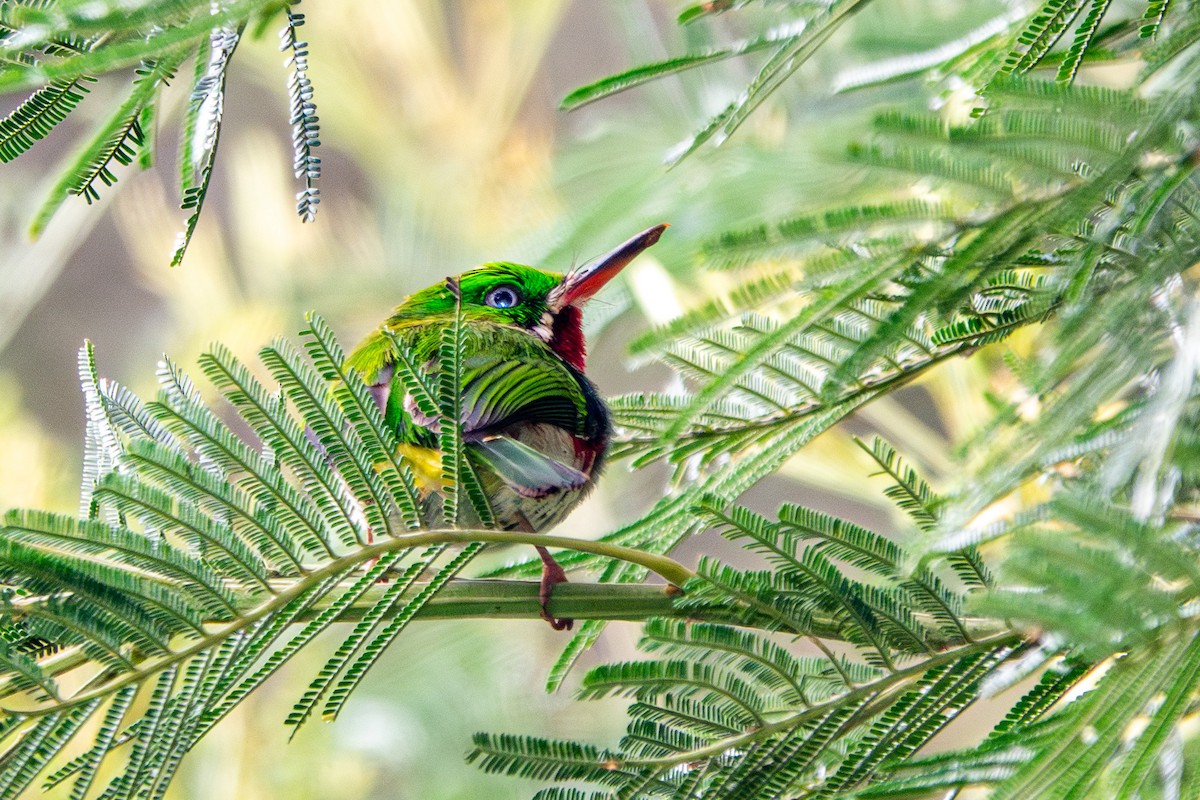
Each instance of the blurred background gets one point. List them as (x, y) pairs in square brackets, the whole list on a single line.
[(442, 147)]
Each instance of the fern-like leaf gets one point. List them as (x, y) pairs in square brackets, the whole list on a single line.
[(39, 114), (116, 144), (306, 136)]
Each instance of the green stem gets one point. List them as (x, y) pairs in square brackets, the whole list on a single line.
[(668, 568), (664, 566), (502, 599), (474, 599), (499, 599)]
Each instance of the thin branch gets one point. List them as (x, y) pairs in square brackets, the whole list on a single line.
[(890, 682), (667, 568), (629, 444), (508, 599)]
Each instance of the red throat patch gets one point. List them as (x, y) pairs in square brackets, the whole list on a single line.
[(567, 339)]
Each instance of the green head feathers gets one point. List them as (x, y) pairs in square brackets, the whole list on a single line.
[(499, 292), (543, 304)]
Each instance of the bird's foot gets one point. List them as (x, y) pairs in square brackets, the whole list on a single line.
[(552, 575), (373, 560)]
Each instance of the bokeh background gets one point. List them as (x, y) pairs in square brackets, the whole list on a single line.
[(442, 147)]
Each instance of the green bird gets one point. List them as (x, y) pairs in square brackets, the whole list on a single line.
[(535, 428)]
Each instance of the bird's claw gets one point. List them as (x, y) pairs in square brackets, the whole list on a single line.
[(552, 575), (564, 624)]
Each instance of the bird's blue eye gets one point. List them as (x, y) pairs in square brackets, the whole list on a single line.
[(503, 297)]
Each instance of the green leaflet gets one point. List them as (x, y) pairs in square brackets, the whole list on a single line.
[(58, 49), (202, 129), (116, 143), (365, 417), (173, 585), (38, 115)]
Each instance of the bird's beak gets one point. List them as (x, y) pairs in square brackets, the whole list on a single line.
[(581, 283)]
